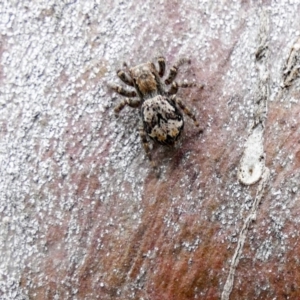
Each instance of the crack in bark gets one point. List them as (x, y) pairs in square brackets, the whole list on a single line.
[(252, 166), (243, 234)]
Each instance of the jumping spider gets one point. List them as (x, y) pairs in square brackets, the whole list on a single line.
[(160, 108)]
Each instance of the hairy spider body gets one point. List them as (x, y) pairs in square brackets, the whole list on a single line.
[(163, 121), (160, 108), (146, 81)]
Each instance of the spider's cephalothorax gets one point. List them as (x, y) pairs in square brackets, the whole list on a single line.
[(161, 117)]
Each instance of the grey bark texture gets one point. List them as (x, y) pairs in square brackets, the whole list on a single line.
[(83, 213)]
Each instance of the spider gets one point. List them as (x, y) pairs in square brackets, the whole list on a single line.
[(160, 108)]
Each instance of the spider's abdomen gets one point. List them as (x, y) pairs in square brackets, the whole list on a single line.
[(163, 121)]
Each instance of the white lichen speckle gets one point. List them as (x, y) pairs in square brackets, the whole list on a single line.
[(253, 161)]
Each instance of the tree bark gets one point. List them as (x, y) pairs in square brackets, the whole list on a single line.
[(85, 215)]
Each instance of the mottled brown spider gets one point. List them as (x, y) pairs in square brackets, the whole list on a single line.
[(160, 108)]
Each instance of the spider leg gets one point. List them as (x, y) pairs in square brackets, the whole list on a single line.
[(162, 66), (174, 88), (127, 101), (174, 69), (120, 90), (185, 109), (125, 77), (144, 140)]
